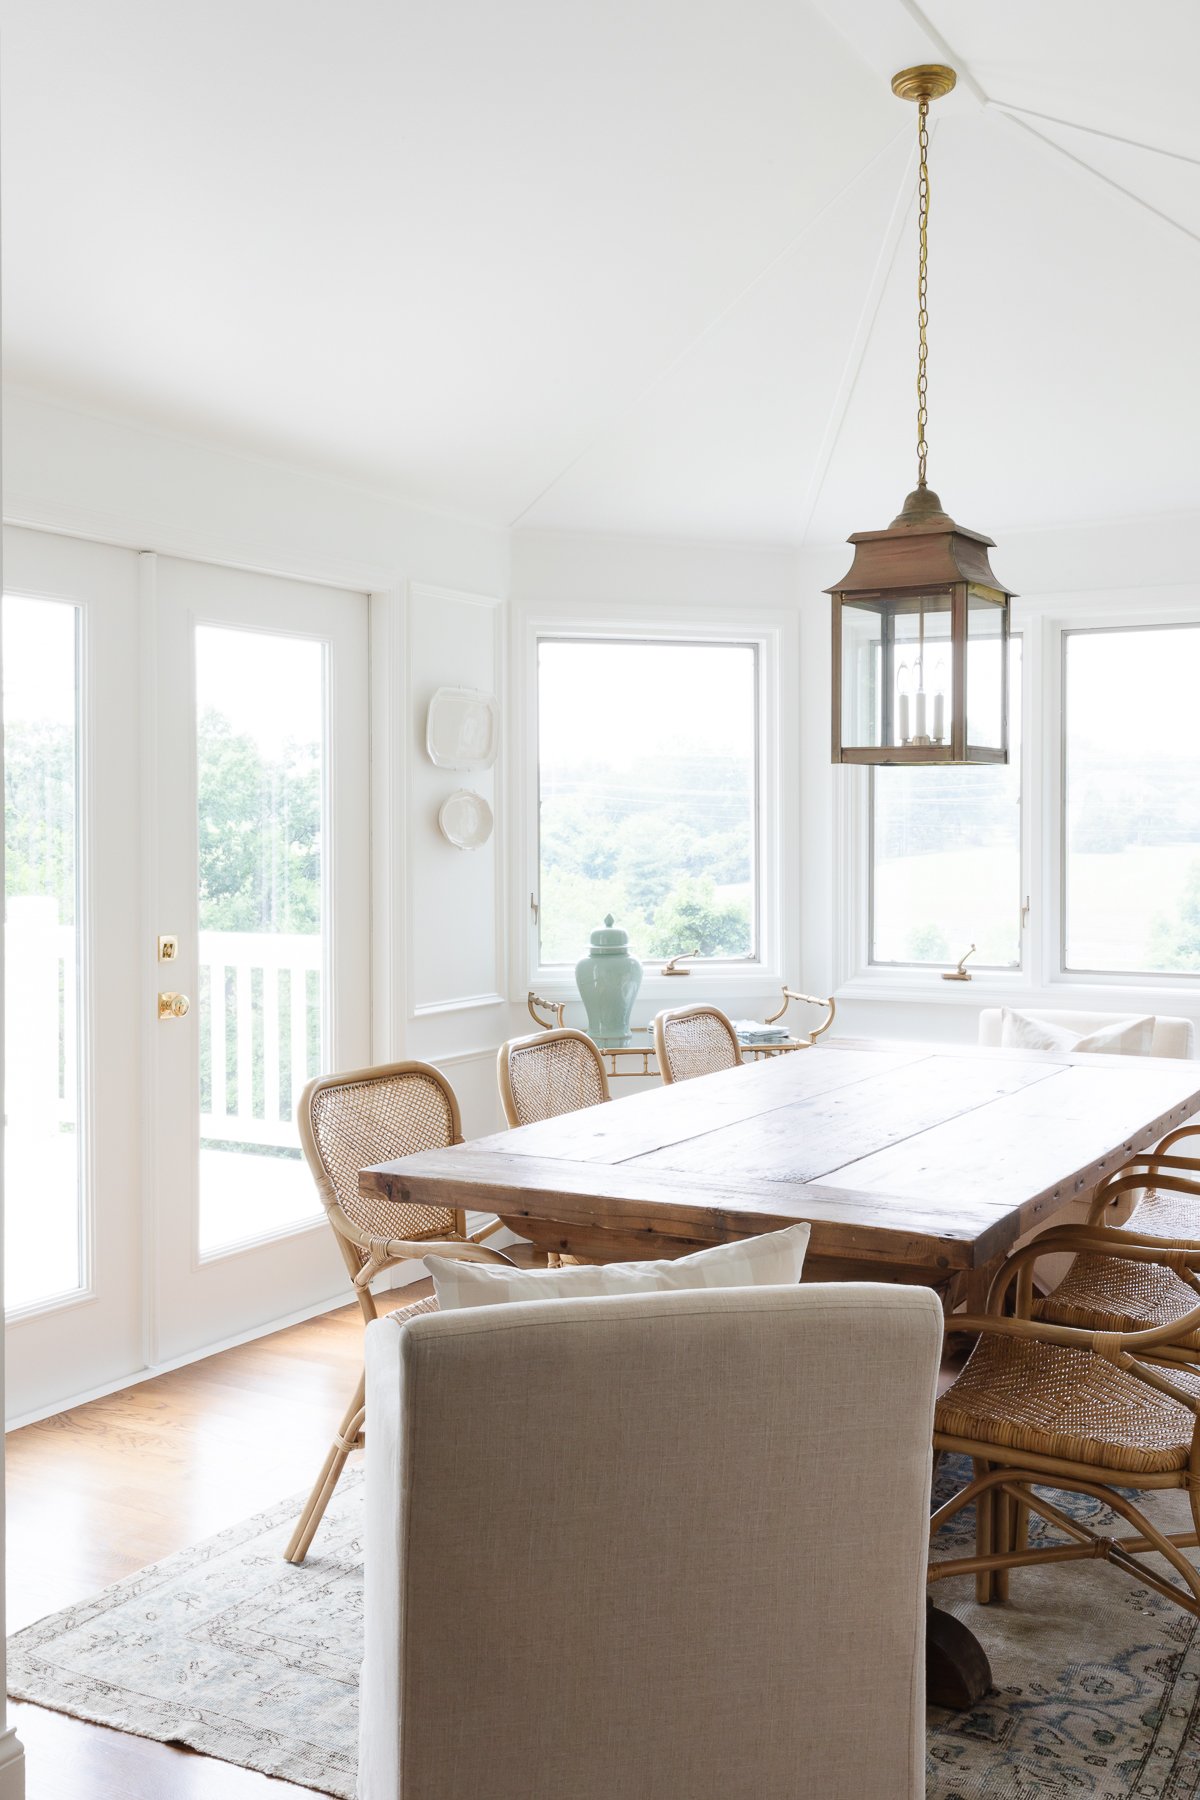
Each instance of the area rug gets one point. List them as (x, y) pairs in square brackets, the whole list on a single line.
[(229, 1650)]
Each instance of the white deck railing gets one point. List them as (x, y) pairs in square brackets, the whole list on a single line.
[(269, 1036), (253, 1000)]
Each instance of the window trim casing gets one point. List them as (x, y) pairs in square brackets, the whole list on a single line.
[(1043, 622), (774, 635)]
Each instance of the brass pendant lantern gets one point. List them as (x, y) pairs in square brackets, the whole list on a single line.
[(920, 623)]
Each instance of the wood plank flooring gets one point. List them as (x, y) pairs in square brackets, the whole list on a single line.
[(99, 1492)]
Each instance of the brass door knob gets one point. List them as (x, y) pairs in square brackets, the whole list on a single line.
[(172, 1006)]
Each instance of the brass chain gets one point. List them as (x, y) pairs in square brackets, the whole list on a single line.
[(923, 291)]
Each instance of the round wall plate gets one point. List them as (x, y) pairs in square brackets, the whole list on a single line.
[(465, 819)]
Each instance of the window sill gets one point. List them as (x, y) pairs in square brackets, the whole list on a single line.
[(1072, 994), (748, 980)]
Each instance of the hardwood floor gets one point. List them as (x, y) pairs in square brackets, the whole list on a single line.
[(99, 1492)]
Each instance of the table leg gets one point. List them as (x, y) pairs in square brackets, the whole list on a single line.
[(957, 1672)]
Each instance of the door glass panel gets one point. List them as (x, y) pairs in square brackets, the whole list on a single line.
[(260, 710), (43, 1160)]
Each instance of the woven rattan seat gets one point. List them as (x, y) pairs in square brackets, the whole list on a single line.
[(694, 1040), (1103, 1293), (1051, 1401), (1166, 1214), (550, 1073)]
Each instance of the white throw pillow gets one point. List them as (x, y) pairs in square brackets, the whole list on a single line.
[(773, 1260), (1124, 1037)]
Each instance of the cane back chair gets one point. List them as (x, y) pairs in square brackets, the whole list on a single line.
[(1040, 1405), (694, 1040), (346, 1123), (549, 1073)]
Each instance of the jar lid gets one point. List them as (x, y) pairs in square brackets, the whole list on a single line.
[(607, 938)]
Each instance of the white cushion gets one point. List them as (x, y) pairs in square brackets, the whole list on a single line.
[(1172, 1036), (1124, 1037), (773, 1260)]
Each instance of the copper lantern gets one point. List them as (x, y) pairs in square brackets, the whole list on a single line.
[(920, 644), (920, 623)]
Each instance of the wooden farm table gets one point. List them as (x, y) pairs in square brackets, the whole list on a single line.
[(918, 1163), (921, 1163)]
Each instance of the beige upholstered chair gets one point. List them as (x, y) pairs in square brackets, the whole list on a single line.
[(1041, 1405), (549, 1073), (694, 1040), (635, 1614), (346, 1123), (1172, 1037)]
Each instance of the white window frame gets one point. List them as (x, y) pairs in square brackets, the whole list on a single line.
[(1043, 978), (774, 635)]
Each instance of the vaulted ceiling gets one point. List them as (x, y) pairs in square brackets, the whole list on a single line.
[(621, 265)]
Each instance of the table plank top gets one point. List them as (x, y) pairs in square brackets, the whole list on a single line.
[(932, 1156)]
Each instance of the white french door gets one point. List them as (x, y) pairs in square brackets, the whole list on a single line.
[(187, 816), (260, 811)]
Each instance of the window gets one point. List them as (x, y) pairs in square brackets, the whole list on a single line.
[(648, 796), (1131, 821), (946, 857)]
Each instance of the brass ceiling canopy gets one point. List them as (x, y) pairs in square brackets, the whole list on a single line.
[(920, 623), (928, 81)]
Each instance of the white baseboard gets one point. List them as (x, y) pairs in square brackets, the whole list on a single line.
[(12, 1766)]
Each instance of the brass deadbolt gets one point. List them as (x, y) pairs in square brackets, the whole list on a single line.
[(172, 1006)]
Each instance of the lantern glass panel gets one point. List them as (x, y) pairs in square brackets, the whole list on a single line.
[(862, 673), (987, 649), (922, 668)]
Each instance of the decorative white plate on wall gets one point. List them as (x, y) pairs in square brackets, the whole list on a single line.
[(465, 819), (463, 729)]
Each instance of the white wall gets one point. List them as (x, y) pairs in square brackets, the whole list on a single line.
[(1123, 564), (438, 586)]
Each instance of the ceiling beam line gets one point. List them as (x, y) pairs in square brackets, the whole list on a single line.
[(964, 74), (764, 274), (1096, 175), (1027, 112), (956, 62), (860, 342)]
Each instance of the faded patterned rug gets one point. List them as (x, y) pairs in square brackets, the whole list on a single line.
[(228, 1649)]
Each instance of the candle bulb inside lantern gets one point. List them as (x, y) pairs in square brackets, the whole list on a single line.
[(939, 703), (919, 709), (903, 732)]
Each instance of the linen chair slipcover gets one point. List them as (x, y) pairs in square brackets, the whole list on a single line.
[(549, 1073), (694, 1040), (347, 1122), (728, 1625)]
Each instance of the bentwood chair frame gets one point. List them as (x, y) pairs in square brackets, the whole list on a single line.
[(551, 1051), (370, 1232), (699, 1023), (1099, 1292), (1005, 1489)]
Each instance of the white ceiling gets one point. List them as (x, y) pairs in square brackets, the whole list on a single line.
[(621, 265)]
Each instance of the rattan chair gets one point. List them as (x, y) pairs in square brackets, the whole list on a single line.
[(549, 1073), (346, 1123), (694, 1040), (1102, 1292), (1041, 1405)]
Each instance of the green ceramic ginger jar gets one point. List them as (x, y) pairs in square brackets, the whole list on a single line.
[(608, 978)]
